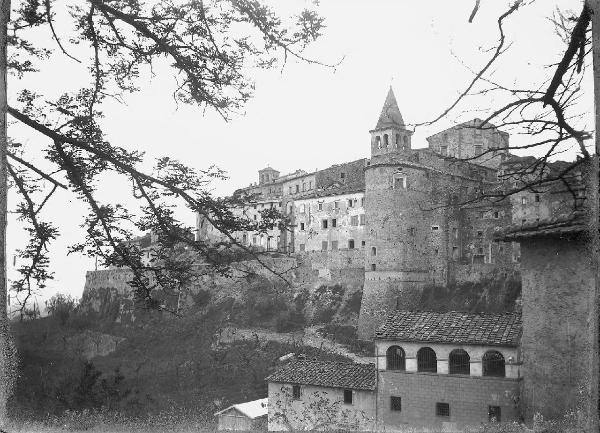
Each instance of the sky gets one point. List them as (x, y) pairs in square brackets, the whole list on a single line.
[(305, 116)]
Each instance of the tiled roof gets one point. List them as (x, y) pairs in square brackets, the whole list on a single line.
[(452, 327), (326, 373), (563, 225)]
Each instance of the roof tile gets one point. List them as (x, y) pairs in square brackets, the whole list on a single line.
[(326, 373), (452, 327)]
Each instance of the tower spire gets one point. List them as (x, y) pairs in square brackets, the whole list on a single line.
[(390, 114)]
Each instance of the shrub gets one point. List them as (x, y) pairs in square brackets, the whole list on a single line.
[(323, 315), (352, 304), (287, 321), (61, 306), (201, 298)]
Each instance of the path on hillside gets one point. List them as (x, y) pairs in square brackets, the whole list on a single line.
[(307, 337)]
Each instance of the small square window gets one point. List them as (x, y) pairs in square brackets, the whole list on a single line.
[(396, 403), (494, 413), (347, 396), (442, 409), (296, 392), (496, 215), (333, 222), (363, 243)]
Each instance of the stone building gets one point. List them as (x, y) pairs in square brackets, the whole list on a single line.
[(322, 395), (446, 371), (419, 216), (558, 281)]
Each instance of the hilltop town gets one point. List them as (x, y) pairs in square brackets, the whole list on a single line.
[(390, 228)]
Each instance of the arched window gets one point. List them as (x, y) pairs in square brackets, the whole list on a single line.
[(395, 358), (378, 142), (459, 362), (397, 140), (493, 364), (426, 360), (385, 140), (405, 138)]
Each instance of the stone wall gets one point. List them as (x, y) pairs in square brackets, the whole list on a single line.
[(469, 399), (558, 280), (319, 408)]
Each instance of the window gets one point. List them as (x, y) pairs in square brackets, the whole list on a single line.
[(405, 139), (320, 205), (303, 186), (362, 219), (426, 360), (254, 240), (373, 267), (435, 228), (442, 409), (444, 150), (296, 392), (254, 217), (459, 362), (336, 204), (478, 150), (333, 222), (342, 175), (310, 185), (324, 224), (480, 234), (334, 245), (396, 403), (378, 141), (493, 364), (245, 238), (302, 247), (301, 226), (454, 233), (347, 396), (399, 182), (297, 189), (373, 251), (290, 189), (537, 198), (494, 413), (350, 202), (324, 246), (385, 140), (363, 243), (411, 231), (395, 358), (362, 202), (354, 220), (523, 200), (496, 215), (351, 244), (397, 139), (302, 208)]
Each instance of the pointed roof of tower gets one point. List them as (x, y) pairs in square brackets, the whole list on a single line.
[(390, 114)]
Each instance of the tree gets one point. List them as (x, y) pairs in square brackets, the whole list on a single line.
[(209, 45)]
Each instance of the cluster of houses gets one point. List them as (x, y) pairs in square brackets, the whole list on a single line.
[(446, 371)]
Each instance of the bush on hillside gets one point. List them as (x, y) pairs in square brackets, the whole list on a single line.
[(61, 306)]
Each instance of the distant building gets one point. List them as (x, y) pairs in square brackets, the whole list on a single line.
[(322, 395), (247, 416), (446, 371)]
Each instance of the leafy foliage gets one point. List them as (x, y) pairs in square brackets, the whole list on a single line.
[(211, 46)]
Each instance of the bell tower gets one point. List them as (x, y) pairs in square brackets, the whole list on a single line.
[(390, 134)]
